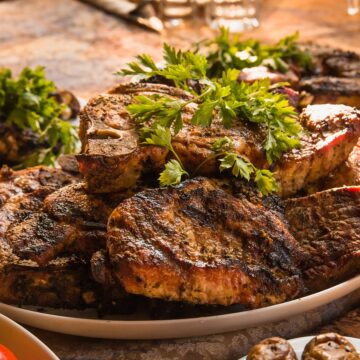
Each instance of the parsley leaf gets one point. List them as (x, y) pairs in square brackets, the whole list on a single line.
[(227, 52), (172, 174), (28, 104)]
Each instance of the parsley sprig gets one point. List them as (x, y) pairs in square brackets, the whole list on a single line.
[(174, 169), (226, 51), (27, 104), (223, 99)]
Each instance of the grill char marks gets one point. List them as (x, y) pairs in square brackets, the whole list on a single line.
[(113, 157), (198, 243), (332, 90), (61, 283), (71, 221), (327, 227), (333, 131)]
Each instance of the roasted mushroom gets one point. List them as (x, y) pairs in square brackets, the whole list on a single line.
[(330, 346), (272, 349)]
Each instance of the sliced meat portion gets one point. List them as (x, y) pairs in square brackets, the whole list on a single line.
[(28, 180), (333, 62), (333, 132), (63, 283), (348, 173), (200, 244), (330, 90), (327, 228), (70, 221), (113, 157)]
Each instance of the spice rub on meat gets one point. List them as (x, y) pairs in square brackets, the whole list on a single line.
[(113, 158), (198, 243)]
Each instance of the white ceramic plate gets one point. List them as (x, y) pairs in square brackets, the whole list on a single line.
[(22, 343), (299, 344), (86, 324)]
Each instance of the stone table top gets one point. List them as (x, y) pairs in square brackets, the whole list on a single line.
[(81, 48)]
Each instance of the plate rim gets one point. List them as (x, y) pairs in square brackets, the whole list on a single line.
[(270, 314)]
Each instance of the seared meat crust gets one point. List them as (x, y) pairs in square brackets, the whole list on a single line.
[(198, 243), (327, 228), (330, 90), (113, 157), (333, 132)]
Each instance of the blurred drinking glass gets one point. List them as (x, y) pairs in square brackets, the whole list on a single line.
[(176, 12), (236, 15), (353, 7)]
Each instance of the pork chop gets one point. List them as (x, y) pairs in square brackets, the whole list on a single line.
[(327, 228), (200, 244), (113, 158)]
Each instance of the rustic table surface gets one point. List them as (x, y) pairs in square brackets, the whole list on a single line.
[(81, 48)]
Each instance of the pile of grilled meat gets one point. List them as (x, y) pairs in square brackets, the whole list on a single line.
[(91, 239)]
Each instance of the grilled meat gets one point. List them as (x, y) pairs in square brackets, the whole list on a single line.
[(333, 62), (327, 228), (200, 244), (112, 157), (62, 281), (334, 131), (348, 173), (333, 90)]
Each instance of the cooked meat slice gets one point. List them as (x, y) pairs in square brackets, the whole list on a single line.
[(64, 282), (327, 228), (332, 90), (348, 173), (253, 74), (333, 132), (198, 243), (333, 62), (330, 346), (28, 180), (70, 221), (272, 349), (113, 157)]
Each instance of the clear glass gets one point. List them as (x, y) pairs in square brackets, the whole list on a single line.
[(236, 15), (175, 12), (353, 7)]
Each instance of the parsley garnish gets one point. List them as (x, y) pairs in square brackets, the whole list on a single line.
[(174, 169), (226, 52), (27, 104), (223, 98)]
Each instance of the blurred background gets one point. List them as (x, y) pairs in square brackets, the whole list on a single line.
[(82, 43)]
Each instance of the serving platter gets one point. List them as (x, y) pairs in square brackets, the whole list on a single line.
[(22, 343), (299, 344), (86, 323)]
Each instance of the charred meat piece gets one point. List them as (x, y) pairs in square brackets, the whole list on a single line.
[(64, 282), (327, 228), (330, 346), (348, 173), (272, 349), (333, 90), (28, 180), (333, 131), (333, 62), (198, 243), (70, 221), (113, 158)]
